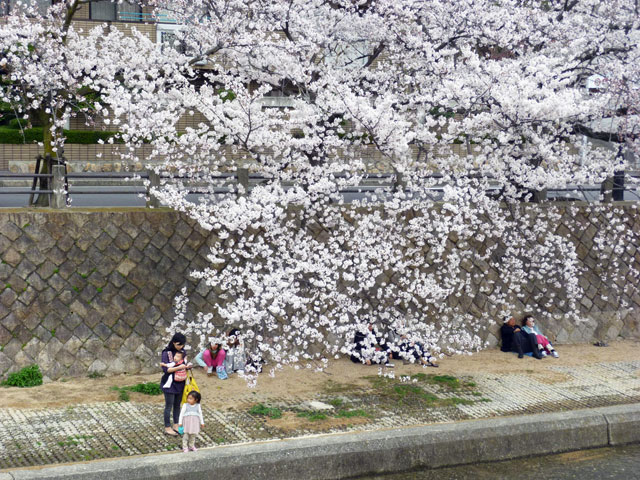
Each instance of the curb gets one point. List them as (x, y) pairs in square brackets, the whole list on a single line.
[(338, 456)]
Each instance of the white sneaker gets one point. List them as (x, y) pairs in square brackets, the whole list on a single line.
[(554, 354), (389, 365), (543, 354)]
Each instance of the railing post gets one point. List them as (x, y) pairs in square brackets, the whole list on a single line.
[(154, 181), (606, 190), (399, 184), (58, 198), (242, 176)]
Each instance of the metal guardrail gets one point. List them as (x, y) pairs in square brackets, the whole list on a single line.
[(59, 188), (145, 17)]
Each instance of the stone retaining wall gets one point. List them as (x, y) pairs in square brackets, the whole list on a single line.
[(93, 291)]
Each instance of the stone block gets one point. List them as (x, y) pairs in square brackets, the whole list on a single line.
[(11, 257), (11, 231), (5, 336), (123, 241), (82, 331), (65, 243), (84, 242), (103, 241), (102, 331), (125, 267), (111, 230), (141, 241), (135, 255)]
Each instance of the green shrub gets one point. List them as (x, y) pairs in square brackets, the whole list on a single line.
[(15, 136), (146, 388), (27, 377)]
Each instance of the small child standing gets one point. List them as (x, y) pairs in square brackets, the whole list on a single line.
[(191, 419)]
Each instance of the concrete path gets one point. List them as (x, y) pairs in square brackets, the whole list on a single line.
[(333, 457), (33, 437)]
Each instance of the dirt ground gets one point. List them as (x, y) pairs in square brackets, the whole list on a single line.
[(304, 384)]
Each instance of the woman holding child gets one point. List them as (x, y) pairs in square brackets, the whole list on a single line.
[(174, 366)]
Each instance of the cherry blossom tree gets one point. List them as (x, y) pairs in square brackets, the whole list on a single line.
[(406, 81)]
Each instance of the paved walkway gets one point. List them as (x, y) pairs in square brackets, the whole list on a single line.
[(84, 432)]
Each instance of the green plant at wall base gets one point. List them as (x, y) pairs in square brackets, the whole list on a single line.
[(95, 375), (99, 289), (76, 289), (8, 285), (56, 270), (27, 377), (130, 300), (123, 396)]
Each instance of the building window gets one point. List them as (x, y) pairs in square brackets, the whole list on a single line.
[(7, 6), (112, 11)]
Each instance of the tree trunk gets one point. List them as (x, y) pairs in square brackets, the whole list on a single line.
[(49, 142)]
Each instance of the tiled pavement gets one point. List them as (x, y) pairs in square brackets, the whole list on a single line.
[(84, 432)]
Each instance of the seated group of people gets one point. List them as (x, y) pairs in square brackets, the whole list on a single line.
[(214, 359), (370, 347), (525, 339)]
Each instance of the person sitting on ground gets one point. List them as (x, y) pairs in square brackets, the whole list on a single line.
[(515, 340), (370, 347), (236, 358), (403, 346), (543, 343), (212, 358)]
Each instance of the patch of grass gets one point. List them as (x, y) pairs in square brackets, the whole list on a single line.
[(115, 447), (27, 377), (414, 394), (470, 384), (99, 289), (53, 332), (95, 375), (26, 225), (130, 300), (484, 399), (219, 440), (7, 285), (84, 275), (56, 270), (312, 416), (76, 289), (335, 402), (124, 396), (265, 411), (476, 394), (446, 380)]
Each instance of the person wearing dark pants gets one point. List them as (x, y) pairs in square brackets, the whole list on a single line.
[(172, 390), (514, 339)]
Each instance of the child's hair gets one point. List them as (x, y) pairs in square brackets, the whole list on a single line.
[(196, 395)]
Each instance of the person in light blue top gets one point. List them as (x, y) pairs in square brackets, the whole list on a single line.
[(544, 345)]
